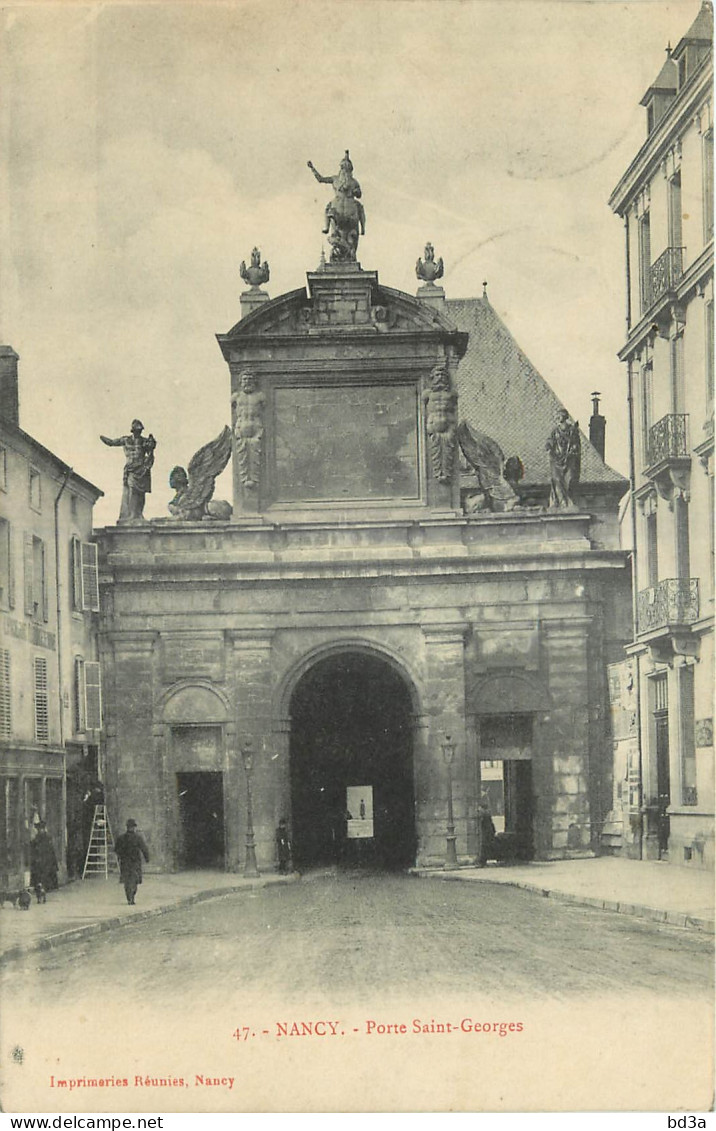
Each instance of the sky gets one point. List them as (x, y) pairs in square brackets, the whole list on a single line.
[(148, 147)]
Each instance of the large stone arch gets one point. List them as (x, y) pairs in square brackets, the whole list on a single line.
[(298, 668), (350, 708)]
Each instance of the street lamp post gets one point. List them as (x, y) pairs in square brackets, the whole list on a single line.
[(448, 748), (250, 866)]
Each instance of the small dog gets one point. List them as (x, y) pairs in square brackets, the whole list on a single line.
[(21, 899), (40, 893)]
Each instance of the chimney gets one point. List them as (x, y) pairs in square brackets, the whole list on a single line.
[(9, 396), (597, 425)]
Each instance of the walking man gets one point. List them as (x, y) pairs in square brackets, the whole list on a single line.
[(130, 848)]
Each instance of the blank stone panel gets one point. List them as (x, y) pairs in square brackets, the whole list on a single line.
[(346, 442)]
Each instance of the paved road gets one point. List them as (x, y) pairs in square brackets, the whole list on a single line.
[(358, 935)]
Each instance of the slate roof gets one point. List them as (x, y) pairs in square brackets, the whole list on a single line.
[(501, 393)]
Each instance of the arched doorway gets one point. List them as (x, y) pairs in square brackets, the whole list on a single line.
[(352, 763)]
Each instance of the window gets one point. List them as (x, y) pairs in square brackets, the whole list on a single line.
[(35, 489), (73, 506), (682, 70), (689, 794), (3, 468), (675, 213), (650, 117), (709, 352), (708, 202), (652, 550), (79, 712), (645, 261), (647, 406), (93, 696), (42, 717), (5, 695), (35, 578), (85, 582), (677, 374), (7, 587), (90, 583), (681, 517)]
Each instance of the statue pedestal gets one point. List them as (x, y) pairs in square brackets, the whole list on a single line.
[(431, 294), (252, 299)]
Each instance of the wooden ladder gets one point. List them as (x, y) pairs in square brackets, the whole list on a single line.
[(100, 860)]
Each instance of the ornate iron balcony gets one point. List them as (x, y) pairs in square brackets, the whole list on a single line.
[(667, 439), (665, 273), (674, 601)]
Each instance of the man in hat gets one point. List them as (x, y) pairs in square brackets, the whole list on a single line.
[(130, 848), (137, 477)]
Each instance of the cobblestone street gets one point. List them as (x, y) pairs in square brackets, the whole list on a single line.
[(357, 934)]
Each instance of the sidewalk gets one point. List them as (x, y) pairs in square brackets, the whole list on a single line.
[(649, 889), (89, 907)]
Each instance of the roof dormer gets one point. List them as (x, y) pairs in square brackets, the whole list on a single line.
[(661, 93), (690, 51)]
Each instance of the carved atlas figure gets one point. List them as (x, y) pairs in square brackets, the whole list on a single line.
[(565, 456), (249, 429), (194, 486), (496, 476), (440, 402), (345, 215)]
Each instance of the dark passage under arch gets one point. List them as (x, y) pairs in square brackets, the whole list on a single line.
[(351, 726)]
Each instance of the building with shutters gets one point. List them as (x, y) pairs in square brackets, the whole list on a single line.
[(50, 689), (662, 696)]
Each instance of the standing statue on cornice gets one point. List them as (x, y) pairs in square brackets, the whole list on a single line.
[(345, 215), (137, 476), (440, 422), (249, 429), (565, 457)]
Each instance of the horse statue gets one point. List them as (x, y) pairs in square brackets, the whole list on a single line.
[(344, 215)]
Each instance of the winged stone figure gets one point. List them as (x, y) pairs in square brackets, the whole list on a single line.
[(487, 460), (194, 486)]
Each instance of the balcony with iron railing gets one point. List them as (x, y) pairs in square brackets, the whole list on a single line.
[(668, 440), (663, 275), (673, 602)]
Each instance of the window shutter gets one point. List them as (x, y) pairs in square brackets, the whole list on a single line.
[(79, 689), (10, 569), (29, 564), (5, 695), (43, 581), (42, 718), (93, 696), (90, 581), (76, 572)]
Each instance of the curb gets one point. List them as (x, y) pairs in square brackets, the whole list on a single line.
[(637, 910), (103, 926)]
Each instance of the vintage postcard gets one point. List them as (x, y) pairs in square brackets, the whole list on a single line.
[(356, 556)]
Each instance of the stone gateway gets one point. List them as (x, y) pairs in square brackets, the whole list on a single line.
[(355, 623)]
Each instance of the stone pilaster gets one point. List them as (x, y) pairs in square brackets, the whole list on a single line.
[(444, 703), (562, 763), (133, 786), (253, 683)]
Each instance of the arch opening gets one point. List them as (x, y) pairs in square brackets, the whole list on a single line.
[(351, 759)]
